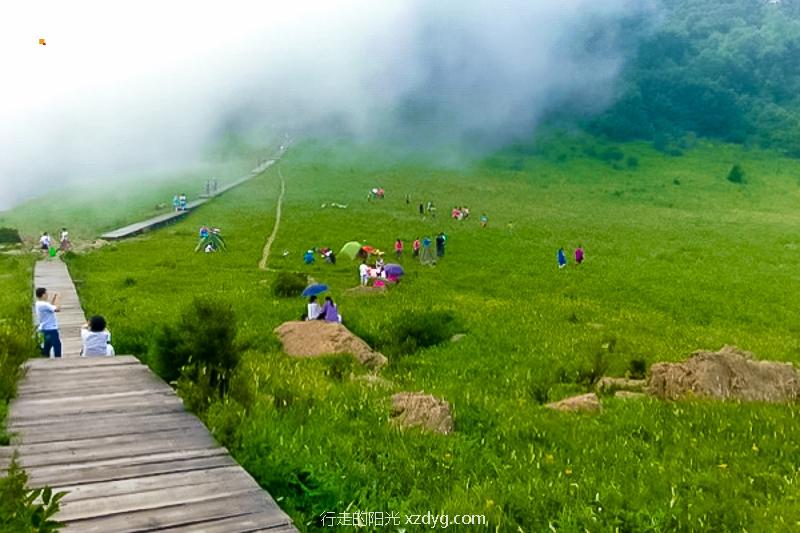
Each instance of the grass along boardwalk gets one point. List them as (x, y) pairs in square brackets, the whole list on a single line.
[(160, 220), (118, 439)]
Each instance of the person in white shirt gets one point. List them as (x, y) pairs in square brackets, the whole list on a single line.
[(96, 338), (363, 271), (44, 241), (313, 309), (47, 321), (64, 239)]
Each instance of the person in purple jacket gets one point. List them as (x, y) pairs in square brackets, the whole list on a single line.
[(579, 254), (330, 313)]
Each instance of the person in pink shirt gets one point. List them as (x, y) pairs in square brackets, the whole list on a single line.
[(398, 248), (579, 255)]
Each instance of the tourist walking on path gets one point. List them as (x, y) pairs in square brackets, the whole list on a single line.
[(48, 324), (96, 338), (440, 242), (176, 203), (579, 255), (398, 248), (562, 258), (182, 201), (44, 241)]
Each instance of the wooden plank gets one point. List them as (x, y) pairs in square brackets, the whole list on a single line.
[(153, 499), (158, 481), (142, 447), (21, 410), (129, 467), (181, 515), (248, 523), (75, 444), (21, 423), (125, 425)]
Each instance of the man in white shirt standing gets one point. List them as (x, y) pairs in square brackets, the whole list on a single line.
[(48, 324)]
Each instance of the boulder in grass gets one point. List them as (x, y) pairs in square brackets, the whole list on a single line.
[(315, 338), (586, 403), (417, 409), (729, 374)]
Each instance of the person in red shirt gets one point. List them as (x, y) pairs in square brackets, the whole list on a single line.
[(398, 247)]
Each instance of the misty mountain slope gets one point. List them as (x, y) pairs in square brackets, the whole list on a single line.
[(678, 258)]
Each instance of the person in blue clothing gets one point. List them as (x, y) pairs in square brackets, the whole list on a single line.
[(308, 258), (562, 258)]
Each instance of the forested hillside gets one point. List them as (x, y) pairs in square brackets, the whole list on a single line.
[(728, 70)]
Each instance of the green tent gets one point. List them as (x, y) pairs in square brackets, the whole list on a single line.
[(351, 249)]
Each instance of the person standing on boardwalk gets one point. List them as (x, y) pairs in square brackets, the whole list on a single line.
[(48, 324), (562, 258), (44, 241), (182, 200), (579, 254), (64, 240)]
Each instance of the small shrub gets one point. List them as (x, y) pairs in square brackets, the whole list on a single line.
[(23, 509), (9, 236), (289, 284), (637, 368), (517, 166), (736, 174), (129, 281), (676, 181), (632, 162), (416, 330), (200, 344)]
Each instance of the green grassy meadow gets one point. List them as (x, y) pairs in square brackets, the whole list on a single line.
[(677, 259)]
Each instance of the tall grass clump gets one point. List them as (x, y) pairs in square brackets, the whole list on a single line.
[(199, 347), (289, 284)]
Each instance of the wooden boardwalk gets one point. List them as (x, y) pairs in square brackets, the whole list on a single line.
[(52, 274), (118, 439), (160, 220)]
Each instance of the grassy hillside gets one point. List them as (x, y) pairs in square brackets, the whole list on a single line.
[(119, 200), (678, 258)]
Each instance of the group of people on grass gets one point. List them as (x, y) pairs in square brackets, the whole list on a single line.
[(95, 337), (561, 256), (46, 242), (328, 255)]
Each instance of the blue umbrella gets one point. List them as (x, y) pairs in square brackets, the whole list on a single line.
[(394, 270), (313, 290)]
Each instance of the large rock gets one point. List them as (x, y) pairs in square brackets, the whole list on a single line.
[(314, 338), (417, 409), (730, 373), (588, 403)]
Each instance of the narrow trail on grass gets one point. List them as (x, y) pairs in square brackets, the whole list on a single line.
[(265, 254)]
